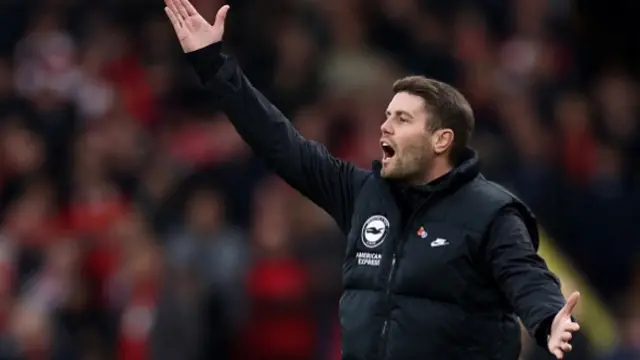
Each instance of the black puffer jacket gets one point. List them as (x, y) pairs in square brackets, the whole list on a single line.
[(434, 272)]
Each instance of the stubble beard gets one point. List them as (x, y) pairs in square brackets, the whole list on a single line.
[(410, 167)]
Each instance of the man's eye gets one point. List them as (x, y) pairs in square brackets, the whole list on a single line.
[(404, 120)]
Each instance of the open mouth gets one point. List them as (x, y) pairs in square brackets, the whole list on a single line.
[(387, 150)]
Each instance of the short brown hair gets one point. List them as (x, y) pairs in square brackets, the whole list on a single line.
[(447, 106)]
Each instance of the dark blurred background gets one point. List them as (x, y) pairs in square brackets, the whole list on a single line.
[(135, 224)]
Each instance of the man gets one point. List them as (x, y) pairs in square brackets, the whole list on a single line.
[(439, 260)]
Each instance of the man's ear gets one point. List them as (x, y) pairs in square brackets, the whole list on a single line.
[(442, 140)]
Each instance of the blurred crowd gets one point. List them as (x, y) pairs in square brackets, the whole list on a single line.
[(135, 224)]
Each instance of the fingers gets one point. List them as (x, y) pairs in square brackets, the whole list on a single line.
[(221, 15), (171, 4), (189, 7), (560, 344), (572, 326), (176, 21), (558, 353), (572, 301), (180, 8), (561, 349)]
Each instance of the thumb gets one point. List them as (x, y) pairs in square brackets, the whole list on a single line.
[(572, 301), (221, 16)]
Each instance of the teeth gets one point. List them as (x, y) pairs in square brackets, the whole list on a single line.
[(386, 149)]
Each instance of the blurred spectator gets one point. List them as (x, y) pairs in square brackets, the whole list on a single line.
[(216, 252), (576, 136), (629, 347), (280, 324)]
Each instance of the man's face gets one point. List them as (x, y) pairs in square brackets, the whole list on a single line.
[(407, 151)]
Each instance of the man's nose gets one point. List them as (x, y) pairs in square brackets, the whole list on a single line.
[(386, 128)]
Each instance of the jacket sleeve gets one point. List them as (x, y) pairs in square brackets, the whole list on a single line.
[(522, 275), (307, 166)]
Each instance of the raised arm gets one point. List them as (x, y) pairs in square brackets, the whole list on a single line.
[(307, 166)]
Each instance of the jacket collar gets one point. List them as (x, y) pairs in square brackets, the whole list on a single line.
[(466, 170)]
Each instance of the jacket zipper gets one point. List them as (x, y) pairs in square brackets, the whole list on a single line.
[(385, 326)]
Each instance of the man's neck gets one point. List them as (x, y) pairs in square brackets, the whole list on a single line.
[(439, 171), (439, 168)]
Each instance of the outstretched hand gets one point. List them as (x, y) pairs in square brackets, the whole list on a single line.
[(192, 30), (563, 327)]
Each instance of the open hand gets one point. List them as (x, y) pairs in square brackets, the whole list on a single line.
[(562, 328), (193, 31)]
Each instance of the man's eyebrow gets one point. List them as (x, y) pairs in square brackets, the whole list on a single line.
[(399, 113)]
